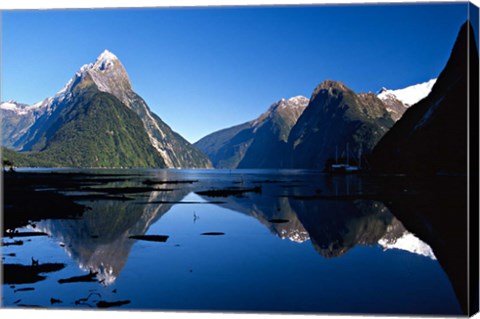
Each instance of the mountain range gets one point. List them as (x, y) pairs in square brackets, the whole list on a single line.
[(96, 120), (418, 129), (306, 133)]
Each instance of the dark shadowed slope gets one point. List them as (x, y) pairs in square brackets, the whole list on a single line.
[(431, 137), (337, 116)]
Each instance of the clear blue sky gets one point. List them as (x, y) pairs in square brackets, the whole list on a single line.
[(203, 69)]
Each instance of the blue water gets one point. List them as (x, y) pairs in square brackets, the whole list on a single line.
[(326, 257)]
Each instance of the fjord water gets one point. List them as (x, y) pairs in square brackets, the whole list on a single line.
[(287, 241)]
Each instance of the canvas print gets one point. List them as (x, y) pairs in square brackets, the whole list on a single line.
[(305, 159)]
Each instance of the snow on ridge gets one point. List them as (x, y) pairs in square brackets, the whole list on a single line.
[(410, 243), (299, 99), (385, 94), (409, 95), (9, 106), (107, 56), (296, 236), (65, 90), (84, 68), (295, 102), (36, 105), (103, 62), (20, 109)]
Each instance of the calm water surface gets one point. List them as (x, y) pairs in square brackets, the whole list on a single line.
[(278, 247)]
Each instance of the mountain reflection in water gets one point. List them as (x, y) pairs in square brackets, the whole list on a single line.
[(99, 242), (333, 227), (333, 215)]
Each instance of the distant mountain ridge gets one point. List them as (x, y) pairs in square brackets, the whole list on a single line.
[(335, 123), (97, 120), (258, 143), (16, 119), (301, 132)]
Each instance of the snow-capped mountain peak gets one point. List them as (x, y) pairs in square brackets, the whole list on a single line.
[(299, 100), (107, 56), (107, 73), (105, 61)]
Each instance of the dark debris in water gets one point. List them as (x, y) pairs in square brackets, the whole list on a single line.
[(54, 301), (86, 301), (213, 233), (25, 234), (29, 306), (157, 238), (12, 243), (23, 274), (24, 289), (92, 197), (122, 190), (109, 304), (44, 200), (232, 191), (90, 277)]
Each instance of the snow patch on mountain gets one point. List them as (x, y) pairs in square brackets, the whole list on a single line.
[(299, 100), (409, 95), (65, 89), (410, 243), (296, 104), (21, 109), (8, 106), (105, 60), (295, 235)]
